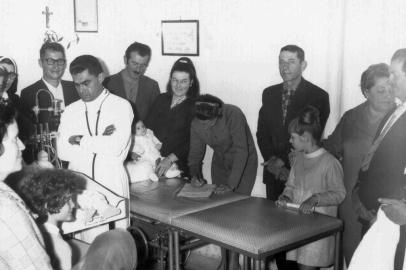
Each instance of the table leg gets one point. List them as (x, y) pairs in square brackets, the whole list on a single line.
[(338, 252), (257, 264), (245, 263), (161, 253), (177, 250), (170, 249)]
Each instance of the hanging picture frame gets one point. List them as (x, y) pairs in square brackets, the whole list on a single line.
[(86, 15), (180, 37)]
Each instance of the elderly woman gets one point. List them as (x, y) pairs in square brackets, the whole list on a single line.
[(352, 138), (171, 114), (224, 128)]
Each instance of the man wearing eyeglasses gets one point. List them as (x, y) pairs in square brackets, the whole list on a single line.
[(38, 97), (131, 83)]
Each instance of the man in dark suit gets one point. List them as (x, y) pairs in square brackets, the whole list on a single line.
[(382, 177), (131, 83), (282, 103), (47, 92)]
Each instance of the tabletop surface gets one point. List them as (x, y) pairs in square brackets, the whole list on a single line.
[(159, 201), (257, 227)]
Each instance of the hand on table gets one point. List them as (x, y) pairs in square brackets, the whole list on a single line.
[(308, 205), (221, 189), (197, 181), (282, 200)]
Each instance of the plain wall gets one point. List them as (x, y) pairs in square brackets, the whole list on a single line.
[(239, 43)]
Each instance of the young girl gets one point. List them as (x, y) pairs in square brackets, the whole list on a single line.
[(315, 183)]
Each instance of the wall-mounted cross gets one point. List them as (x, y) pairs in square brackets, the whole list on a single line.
[(47, 14)]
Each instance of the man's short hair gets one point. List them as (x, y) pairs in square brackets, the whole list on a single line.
[(400, 55), (140, 48), (85, 62), (373, 72), (295, 49), (8, 114), (51, 46)]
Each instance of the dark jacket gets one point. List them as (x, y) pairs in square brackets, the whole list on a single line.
[(172, 127), (272, 133), (385, 176), (148, 90)]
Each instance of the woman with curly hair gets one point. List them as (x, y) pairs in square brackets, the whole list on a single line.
[(49, 194)]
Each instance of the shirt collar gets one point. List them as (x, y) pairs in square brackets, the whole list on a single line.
[(292, 88), (127, 78), (51, 87), (316, 153), (98, 100)]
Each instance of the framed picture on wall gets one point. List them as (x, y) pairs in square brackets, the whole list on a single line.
[(85, 12), (180, 37)]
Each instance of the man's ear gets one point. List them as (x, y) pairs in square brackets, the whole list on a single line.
[(40, 63), (125, 60), (303, 65), (100, 77), (1, 149)]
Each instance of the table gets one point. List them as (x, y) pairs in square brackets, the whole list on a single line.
[(256, 228), (158, 202)]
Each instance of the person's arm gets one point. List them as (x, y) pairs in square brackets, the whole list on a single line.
[(196, 152), (20, 244), (334, 142), (324, 107), (264, 137), (114, 144), (334, 184), (238, 128)]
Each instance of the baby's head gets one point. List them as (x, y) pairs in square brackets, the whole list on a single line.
[(140, 128)]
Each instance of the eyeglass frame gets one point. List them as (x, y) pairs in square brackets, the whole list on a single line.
[(50, 61)]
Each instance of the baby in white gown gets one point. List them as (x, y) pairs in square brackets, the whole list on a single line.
[(145, 153)]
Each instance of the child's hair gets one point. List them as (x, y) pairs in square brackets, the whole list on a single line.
[(46, 191), (308, 120)]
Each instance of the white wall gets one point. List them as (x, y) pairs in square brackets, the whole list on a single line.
[(239, 42)]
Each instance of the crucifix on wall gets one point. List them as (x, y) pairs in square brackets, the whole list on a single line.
[(47, 14)]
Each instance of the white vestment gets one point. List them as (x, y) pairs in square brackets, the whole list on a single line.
[(103, 154)]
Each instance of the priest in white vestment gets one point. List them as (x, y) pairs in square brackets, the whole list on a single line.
[(95, 131)]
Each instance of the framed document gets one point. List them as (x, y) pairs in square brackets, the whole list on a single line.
[(85, 15), (180, 37)]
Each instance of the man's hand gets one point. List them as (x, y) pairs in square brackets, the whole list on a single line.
[(283, 174), (75, 139), (282, 200), (308, 205), (274, 165), (221, 189), (197, 181), (109, 130), (395, 210)]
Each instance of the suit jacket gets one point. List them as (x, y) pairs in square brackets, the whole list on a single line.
[(27, 99), (385, 176), (148, 90), (272, 133)]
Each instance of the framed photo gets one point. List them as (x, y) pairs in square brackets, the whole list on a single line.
[(85, 15), (180, 37)]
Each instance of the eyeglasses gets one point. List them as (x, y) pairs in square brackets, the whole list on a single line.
[(51, 62), (182, 82)]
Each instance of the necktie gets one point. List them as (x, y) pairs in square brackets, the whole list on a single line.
[(286, 94)]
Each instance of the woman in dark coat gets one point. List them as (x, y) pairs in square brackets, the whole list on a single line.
[(171, 114), (224, 128)]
